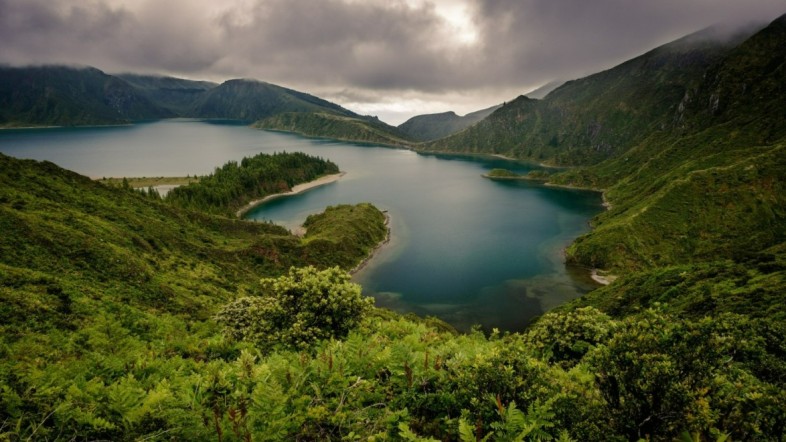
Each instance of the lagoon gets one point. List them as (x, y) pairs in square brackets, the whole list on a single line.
[(463, 248)]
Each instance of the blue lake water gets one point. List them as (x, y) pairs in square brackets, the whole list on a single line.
[(463, 248)]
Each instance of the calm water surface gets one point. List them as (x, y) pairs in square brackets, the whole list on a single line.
[(463, 248)]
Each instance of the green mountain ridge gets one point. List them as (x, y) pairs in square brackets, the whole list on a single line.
[(251, 100), (588, 120), (175, 94), (685, 141), (63, 96), (712, 186), (337, 127), (434, 126), (70, 96)]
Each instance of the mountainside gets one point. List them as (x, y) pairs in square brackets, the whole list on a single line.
[(603, 115), (334, 126), (710, 188), (66, 96), (175, 94), (251, 100), (434, 126)]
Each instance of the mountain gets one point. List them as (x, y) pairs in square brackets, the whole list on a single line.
[(711, 187), (601, 116), (114, 305), (434, 126), (541, 92), (65, 96), (334, 126), (251, 100), (70, 96), (174, 94)]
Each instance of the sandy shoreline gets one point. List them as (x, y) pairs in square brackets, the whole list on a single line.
[(601, 279), (300, 188), (376, 249)]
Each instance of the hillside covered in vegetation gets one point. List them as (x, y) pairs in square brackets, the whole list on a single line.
[(126, 318), (434, 126), (71, 96), (234, 185), (336, 127)]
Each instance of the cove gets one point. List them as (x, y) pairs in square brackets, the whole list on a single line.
[(463, 248)]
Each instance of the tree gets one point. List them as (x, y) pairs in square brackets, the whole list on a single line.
[(297, 309)]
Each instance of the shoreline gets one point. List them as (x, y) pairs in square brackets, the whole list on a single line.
[(299, 188), (601, 279), (362, 264)]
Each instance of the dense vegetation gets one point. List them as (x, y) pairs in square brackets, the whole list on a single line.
[(601, 116), (686, 140), (65, 96), (110, 299), (251, 100), (126, 318), (434, 126), (234, 185), (337, 127), (174, 94)]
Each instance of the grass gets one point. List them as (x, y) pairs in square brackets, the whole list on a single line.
[(145, 182)]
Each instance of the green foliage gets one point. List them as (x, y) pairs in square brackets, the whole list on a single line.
[(175, 94), (234, 185), (108, 297), (566, 338), (502, 173), (297, 310), (251, 100), (336, 126), (435, 126), (687, 141), (661, 376), (66, 96), (601, 116), (341, 233)]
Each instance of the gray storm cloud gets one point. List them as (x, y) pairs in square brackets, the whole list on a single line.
[(377, 48)]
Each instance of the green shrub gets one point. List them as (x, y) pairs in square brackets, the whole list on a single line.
[(297, 309)]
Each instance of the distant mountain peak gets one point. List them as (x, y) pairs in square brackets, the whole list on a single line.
[(434, 126)]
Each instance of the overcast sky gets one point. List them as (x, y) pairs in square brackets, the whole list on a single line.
[(391, 58)]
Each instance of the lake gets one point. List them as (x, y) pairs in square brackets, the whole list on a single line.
[(463, 248)]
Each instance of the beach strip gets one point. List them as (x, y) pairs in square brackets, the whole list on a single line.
[(299, 188)]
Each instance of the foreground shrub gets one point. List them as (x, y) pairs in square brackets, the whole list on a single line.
[(297, 309)]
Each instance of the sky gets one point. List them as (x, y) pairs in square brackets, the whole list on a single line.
[(389, 58)]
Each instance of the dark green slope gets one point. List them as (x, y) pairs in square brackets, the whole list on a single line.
[(251, 100), (66, 96), (589, 120), (713, 188), (336, 126), (434, 126), (84, 237), (175, 94)]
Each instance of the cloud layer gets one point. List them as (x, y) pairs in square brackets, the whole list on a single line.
[(460, 54)]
